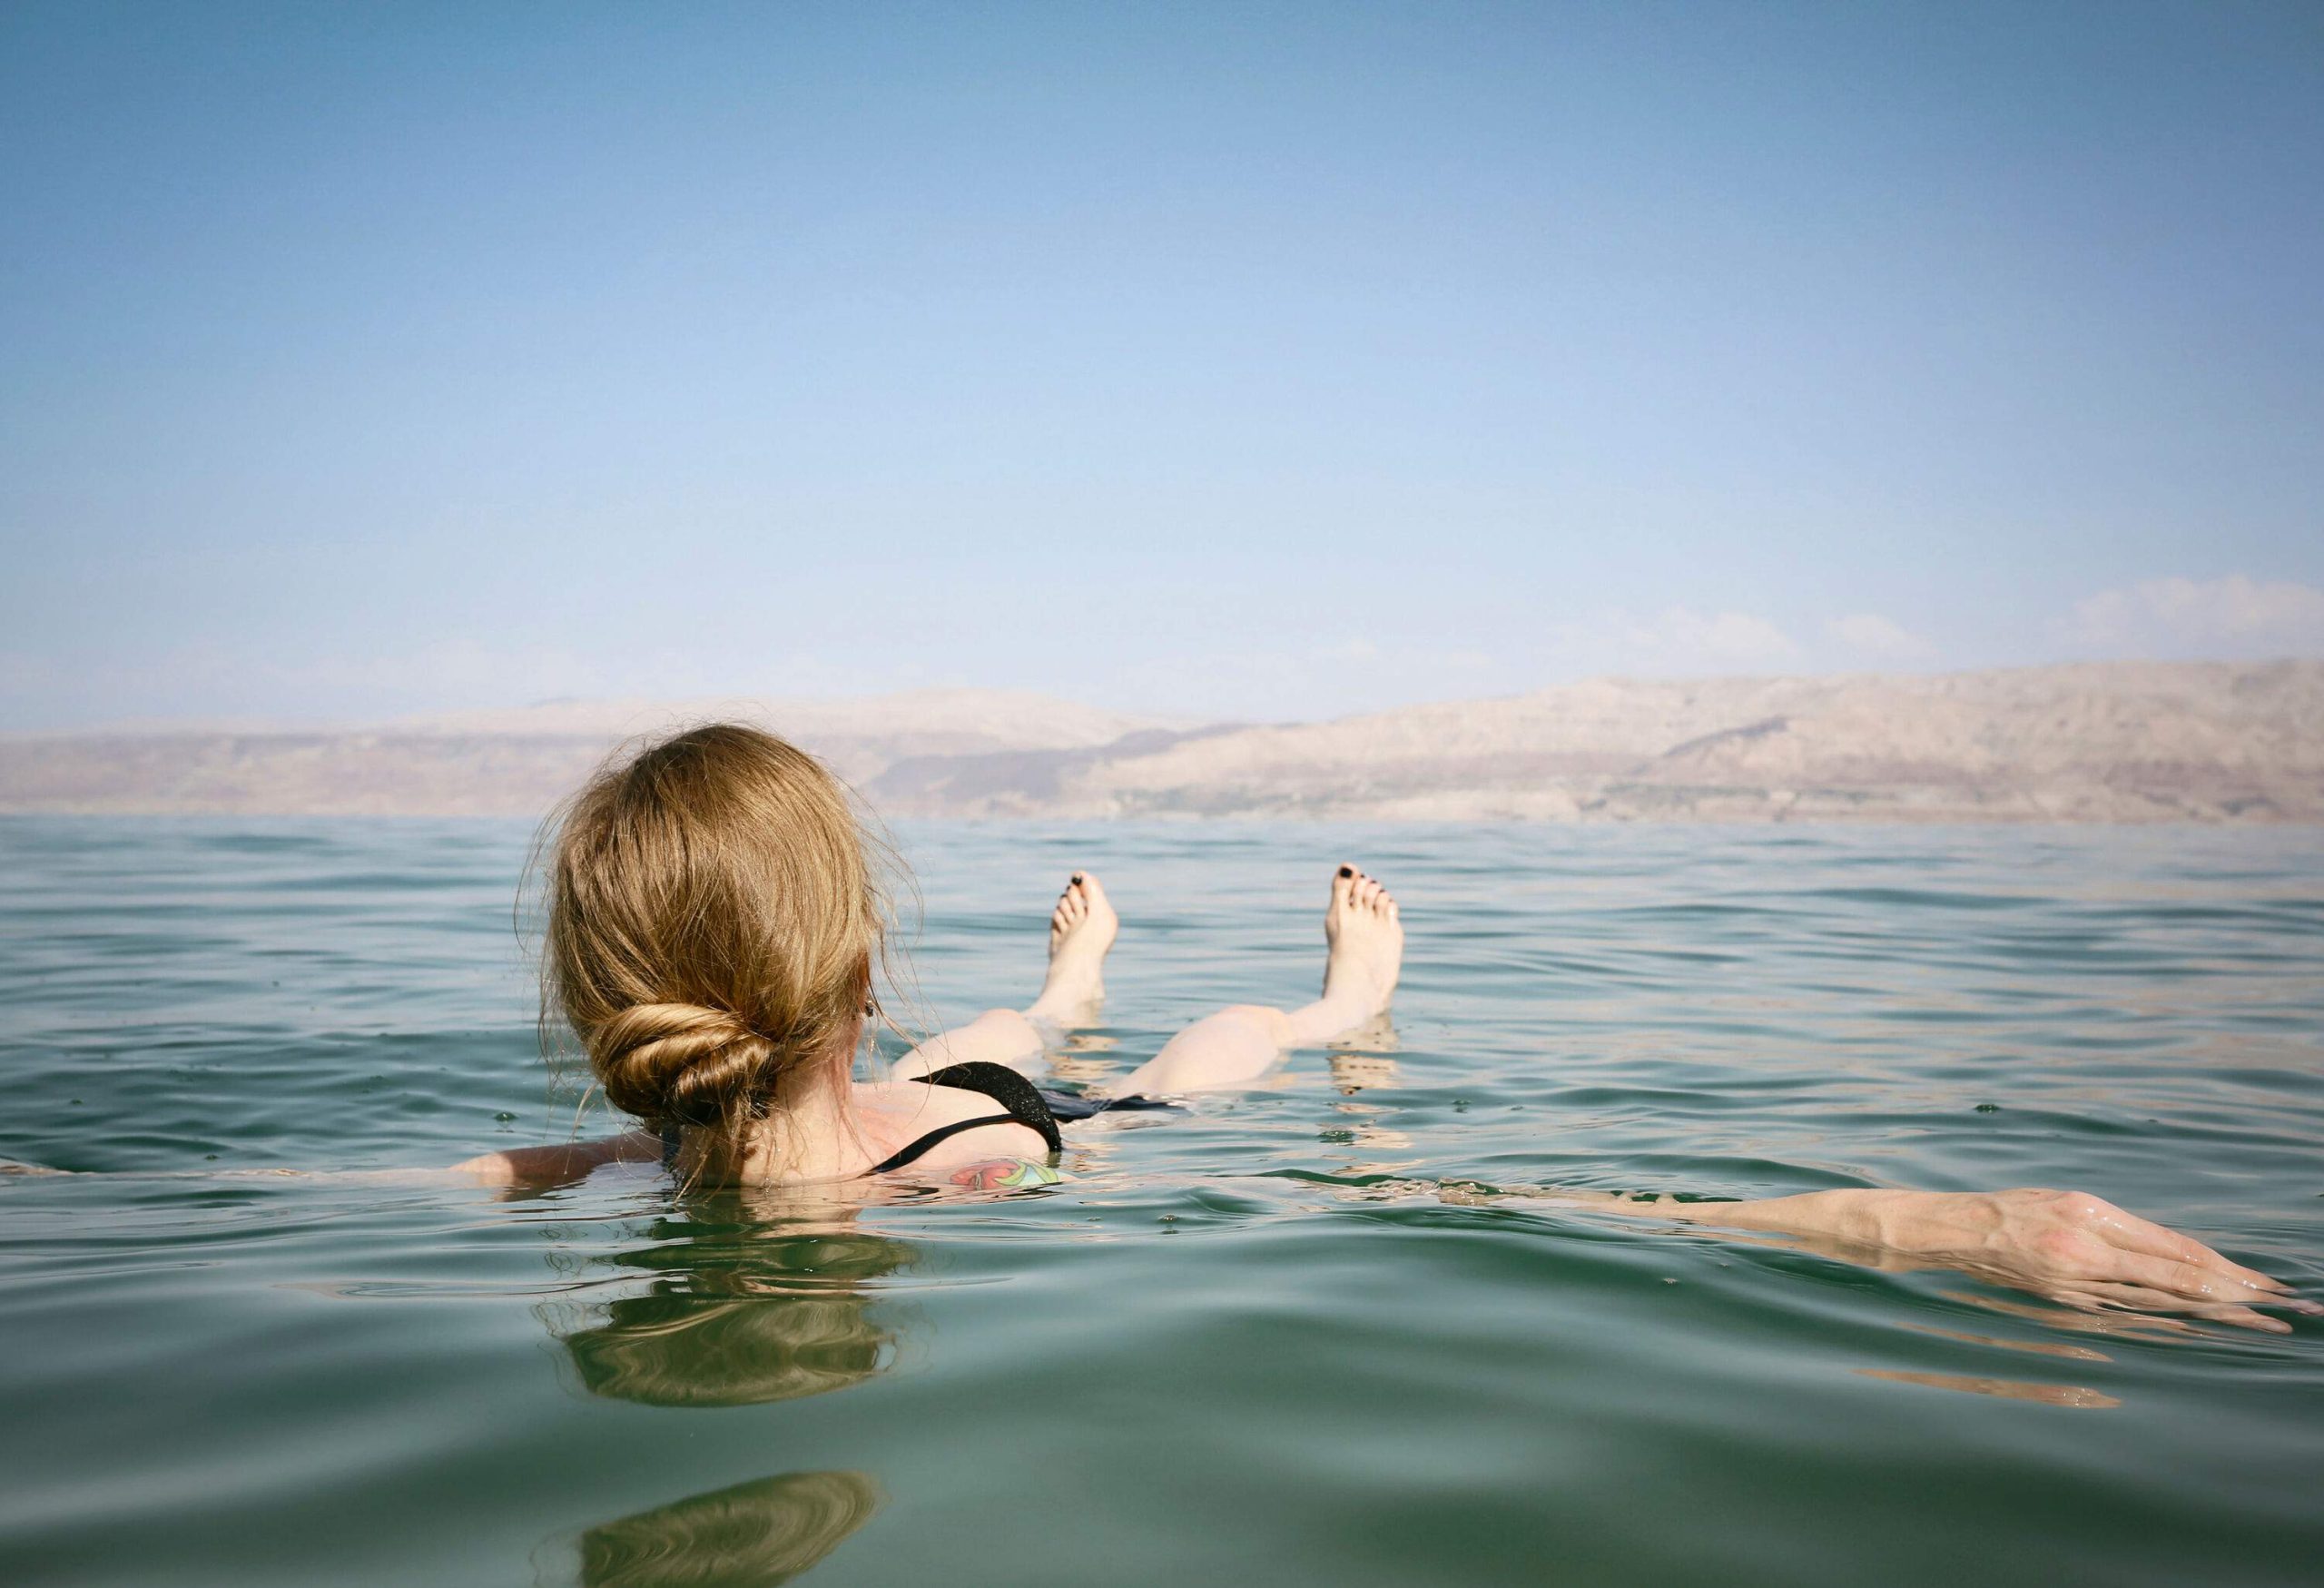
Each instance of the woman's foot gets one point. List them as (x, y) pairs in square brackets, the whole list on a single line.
[(1240, 1045), (1081, 929), (1366, 941)]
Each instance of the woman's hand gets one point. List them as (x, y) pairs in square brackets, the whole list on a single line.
[(2077, 1249)]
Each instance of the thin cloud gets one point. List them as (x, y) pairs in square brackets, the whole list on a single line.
[(1680, 637), (2236, 613), (1294, 681), (1872, 634)]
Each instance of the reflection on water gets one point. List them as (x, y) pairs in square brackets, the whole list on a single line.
[(737, 1312), (2035, 1348), (1088, 1058), (755, 1534), (2124, 1325), (2008, 1389), (1354, 1072), (747, 1302), (1357, 1125)]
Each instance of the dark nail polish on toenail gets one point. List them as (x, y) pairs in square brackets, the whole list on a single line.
[(1347, 871)]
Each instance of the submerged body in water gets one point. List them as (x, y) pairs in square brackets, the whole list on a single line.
[(923, 1118), (714, 926)]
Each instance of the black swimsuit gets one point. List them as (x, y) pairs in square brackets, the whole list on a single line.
[(1026, 1104), (1023, 1100)]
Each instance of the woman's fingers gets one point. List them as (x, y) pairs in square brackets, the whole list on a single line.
[(2221, 1282), (2177, 1278), (2091, 1254), (2131, 1233), (2101, 1241)]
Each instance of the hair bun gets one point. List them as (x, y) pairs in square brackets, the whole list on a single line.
[(681, 1063)]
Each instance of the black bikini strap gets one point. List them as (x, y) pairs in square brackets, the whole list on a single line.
[(1008, 1088), (941, 1133)]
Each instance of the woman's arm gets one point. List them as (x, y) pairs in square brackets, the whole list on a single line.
[(543, 1167), (2069, 1246)]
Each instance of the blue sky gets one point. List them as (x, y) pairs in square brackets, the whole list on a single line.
[(1228, 360)]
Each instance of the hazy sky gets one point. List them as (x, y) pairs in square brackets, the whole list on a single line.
[(1238, 360)]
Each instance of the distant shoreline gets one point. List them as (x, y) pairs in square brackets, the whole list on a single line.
[(2099, 743)]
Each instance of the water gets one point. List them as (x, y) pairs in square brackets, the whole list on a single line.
[(1242, 1345)]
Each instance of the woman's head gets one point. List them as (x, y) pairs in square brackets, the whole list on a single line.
[(712, 920)]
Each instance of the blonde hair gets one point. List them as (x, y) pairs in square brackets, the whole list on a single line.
[(712, 920)]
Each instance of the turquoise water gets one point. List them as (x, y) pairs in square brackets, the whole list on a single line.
[(1244, 1344)]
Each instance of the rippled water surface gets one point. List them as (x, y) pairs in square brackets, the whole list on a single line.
[(1242, 1343)]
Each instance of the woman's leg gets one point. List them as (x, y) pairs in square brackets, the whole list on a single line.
[(1365, 947), (1081, 929)]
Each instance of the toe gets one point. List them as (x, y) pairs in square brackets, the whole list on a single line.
[(1344, 883)]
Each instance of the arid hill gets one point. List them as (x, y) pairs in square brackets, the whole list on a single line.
[(519, 762), (2115, 742)]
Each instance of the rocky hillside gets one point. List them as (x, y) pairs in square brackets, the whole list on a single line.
[(2120, 741), (505, 763)]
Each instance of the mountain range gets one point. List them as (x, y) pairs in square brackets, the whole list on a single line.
[(2096, 742)]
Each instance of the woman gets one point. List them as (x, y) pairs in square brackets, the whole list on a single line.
[(714, 922)]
